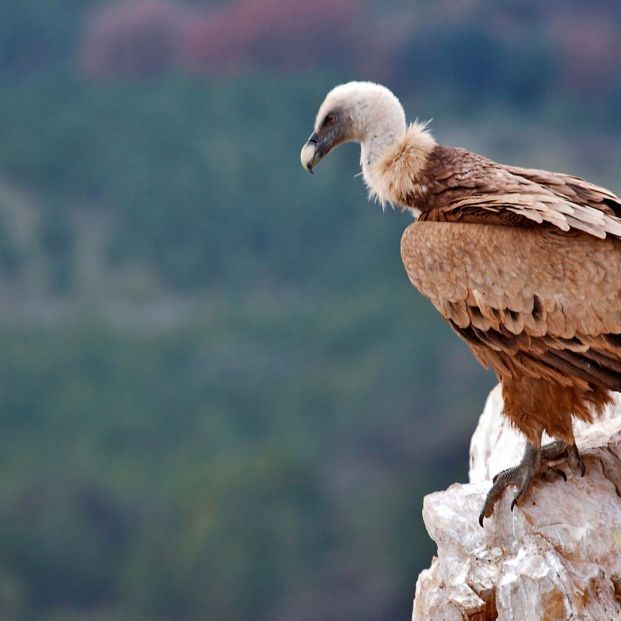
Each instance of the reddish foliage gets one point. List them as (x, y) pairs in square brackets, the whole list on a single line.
[(132, 37), (282, 33), (139, 37), (145, 36)]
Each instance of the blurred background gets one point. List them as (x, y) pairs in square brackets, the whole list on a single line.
[(220, 398)]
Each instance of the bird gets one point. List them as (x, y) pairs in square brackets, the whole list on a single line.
[(524, 264)]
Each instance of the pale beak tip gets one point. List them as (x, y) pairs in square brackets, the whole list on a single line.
[(307, 155)]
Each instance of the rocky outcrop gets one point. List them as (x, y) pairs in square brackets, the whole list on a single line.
[(556, 557)]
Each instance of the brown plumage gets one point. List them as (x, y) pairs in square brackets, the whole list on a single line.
[(536, 305), (524, 264), (536, 297)]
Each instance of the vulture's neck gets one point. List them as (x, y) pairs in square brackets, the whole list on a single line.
[(393, 163)]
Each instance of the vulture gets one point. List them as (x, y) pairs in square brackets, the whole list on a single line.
[(524, 264)]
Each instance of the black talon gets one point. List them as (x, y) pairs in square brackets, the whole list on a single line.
[(573, 457), (534, 465)]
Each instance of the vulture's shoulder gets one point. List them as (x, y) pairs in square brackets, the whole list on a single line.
[(463, 186)]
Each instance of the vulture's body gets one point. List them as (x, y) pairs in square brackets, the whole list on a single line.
[(524, 264)]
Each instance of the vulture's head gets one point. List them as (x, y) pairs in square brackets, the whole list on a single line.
[(361, 112)]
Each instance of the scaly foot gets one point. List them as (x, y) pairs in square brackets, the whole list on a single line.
[(534, 465), (558, 451)]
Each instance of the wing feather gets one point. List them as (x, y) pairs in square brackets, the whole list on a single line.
[(468, 187), (549, 301)]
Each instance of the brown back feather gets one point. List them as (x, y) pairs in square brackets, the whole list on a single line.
[(467, 187)]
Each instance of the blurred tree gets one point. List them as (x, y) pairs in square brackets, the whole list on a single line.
[(248, 427)]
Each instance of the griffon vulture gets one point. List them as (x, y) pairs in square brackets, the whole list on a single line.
[(524, 264)]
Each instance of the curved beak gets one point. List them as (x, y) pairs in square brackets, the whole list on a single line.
[(311, 152)]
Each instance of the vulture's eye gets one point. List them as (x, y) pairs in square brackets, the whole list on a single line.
[(330, 119)]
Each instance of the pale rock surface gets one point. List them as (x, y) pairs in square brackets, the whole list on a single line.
[(556, 557)]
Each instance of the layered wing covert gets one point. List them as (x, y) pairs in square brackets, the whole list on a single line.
[(467, 187)]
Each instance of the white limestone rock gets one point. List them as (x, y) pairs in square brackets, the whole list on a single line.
[(556, 557)]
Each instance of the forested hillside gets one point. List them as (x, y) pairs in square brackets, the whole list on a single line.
[(220, 398)]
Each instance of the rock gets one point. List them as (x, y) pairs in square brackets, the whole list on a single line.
[(557, 556)]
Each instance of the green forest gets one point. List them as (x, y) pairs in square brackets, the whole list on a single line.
[(220, 397)]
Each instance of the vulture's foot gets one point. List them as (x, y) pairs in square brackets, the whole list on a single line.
[(536, 463), (561, 451)]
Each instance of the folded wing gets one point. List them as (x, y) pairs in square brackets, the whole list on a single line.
[(527, 300)]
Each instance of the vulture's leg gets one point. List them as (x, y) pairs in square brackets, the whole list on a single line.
[(533, 465)]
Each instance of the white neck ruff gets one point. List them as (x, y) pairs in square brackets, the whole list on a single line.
[(391, 166)]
